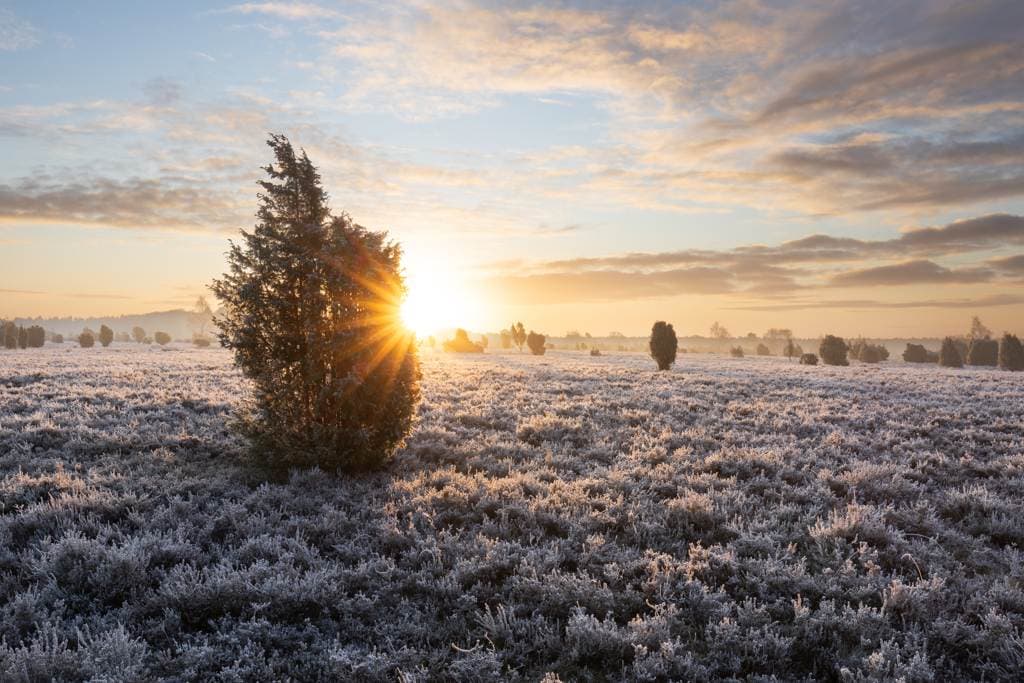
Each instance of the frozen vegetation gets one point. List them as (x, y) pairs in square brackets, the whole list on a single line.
[(584, 518)]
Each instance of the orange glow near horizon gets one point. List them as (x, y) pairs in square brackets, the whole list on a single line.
[(437, 301)]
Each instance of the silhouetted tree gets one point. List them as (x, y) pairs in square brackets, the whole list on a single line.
[(1011, 353), (833, 350), (36, 337), (983, 351), (978, 330), (791, 350), (949, 354), (10, 331), (200, 316), (311, 310), (106, 335), (535, 342), (518, 333), (719, 331), (663, 344), (138, 334), (162, 338), (86, 339), (22, 338), (461, 343)]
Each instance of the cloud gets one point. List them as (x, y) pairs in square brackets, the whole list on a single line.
[(284, 10), (909, 273), (21, 291), (788, 269), (15, 33), (167, 203), (839, 304)]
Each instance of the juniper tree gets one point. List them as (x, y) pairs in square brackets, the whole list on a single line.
[(949, 354), (663, 344), (311, 305), (106, 335), (138, 334), (1011, 353), (36, 336), (833, 350)]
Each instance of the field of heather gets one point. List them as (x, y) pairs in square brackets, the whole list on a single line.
[(564, 516)]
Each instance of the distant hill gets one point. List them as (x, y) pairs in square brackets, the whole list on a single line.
[(178, 323)]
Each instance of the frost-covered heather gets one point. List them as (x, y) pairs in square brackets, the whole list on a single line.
[(584, 517)]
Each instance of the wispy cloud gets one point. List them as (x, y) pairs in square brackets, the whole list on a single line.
[(284, 10), (15, 33)]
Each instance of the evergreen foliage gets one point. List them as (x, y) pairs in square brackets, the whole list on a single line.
[(833, 350), (949, 354), (106, 335), (311, 311), (663, 344), (1011, 353)]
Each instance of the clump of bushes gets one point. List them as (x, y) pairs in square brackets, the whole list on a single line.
[(808, 359), (736, 352), (663, 344), (866, 352), (535, 342), (86, 340), (763, 350), (162, 338), (1011, 353), (917, 353), (949, 354), (983, 352), (833, 350), (461, 343), (106, 335)]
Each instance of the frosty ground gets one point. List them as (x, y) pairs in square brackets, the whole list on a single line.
[(576, 517)]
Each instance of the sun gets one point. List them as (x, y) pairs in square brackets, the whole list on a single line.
[(437, 301)]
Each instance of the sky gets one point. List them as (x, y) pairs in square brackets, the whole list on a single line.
[(832, 167)]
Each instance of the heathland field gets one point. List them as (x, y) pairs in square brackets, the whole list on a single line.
[(576, 517)]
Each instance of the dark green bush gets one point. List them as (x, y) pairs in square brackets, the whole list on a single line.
[(311, 310), (917, 353), (1011, 353), (949, 354), (535, 342), (833, 350), (36, 337), (983, 352), (663, 344)]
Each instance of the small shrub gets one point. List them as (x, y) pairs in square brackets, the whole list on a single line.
[(983, 352), (86, 340), (833, 350), (106, 335), (869, 353), (535, 342), (949, 354), (595, 352), (736, 352), (917, 353), (138, 334), (201, 341), (162, 338), (663, 344), (36, 337), (808, 359), (58, 338), (763, 350), (462, 343), (1011, 353)]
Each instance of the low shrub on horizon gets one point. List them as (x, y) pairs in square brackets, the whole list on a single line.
[(461, 343), (833, 350), (808, 359), (949, 354), (663, 344)]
